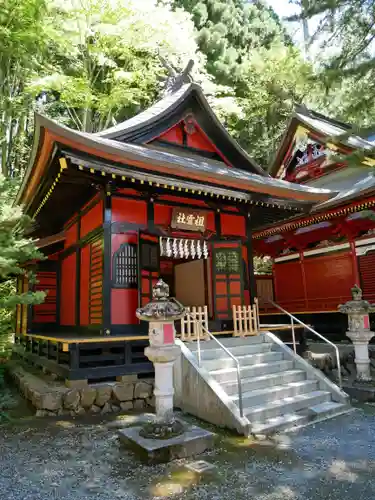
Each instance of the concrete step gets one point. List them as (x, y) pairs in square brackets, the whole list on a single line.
[(289, 421), (264, 381), (262, 396), (244, 360), (224, 375), (229, 342), (236, 351), (287, 405)]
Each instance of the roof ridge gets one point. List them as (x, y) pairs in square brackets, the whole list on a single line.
[(304, 110)]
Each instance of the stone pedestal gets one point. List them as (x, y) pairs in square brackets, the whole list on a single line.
[(191, 442), (359, 331), (360, 341), (163, 359)]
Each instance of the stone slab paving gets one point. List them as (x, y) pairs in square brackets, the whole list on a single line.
[(83, 460)]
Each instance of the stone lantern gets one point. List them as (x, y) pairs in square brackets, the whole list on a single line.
[(164, 438), (359, 331), (161, 313)]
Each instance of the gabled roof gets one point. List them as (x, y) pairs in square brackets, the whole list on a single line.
[(320, 124), (50, 137), (361, 189), (169, 111)]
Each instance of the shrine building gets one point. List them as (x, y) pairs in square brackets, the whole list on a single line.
[(322, 254), (167, 193)]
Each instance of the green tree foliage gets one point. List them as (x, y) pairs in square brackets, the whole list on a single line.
[(23, 31), (15, 251), (107, 64), (262, 75), (274, 81), (346, 34), (229, 30)]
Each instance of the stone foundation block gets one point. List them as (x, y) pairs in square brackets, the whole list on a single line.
[(142, 390), (106, 409), (72, 399), (76, 384), (127, 378), (54, 398), (88, 395), (123, 392), (103, 394), (139, 404), (51, 401), (128, 405)]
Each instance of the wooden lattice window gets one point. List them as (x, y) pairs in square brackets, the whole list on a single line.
[(227, 261), (124, 268)]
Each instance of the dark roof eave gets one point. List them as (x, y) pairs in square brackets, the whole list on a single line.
[(140, 154), (155, 178)]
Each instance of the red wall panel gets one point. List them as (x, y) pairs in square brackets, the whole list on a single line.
[(84, 286), (124, 210), (289, 289), (68, 290), (162, 215), (328, 280), (46, 312), (92, 219), (367, 272), (233, 224), (123, 305)]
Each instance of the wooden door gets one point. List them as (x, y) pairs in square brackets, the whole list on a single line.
[(227, 274), (148, 265)]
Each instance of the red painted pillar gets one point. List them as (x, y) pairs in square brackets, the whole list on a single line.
[(302, 263), (357, 278)]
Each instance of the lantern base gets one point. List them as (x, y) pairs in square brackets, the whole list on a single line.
[(162, 430), (193, 441)]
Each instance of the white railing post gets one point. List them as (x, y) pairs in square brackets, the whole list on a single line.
[(315, 333), (293, 336)]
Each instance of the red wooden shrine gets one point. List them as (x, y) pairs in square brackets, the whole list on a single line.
[(320, 256), (103, 208)]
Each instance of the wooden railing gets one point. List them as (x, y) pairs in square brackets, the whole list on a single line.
[(246, 320), (191, 324)]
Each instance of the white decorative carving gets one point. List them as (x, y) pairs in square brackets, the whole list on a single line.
[(205, 250), (169, 248), (192, 249), (181, 248), (175, 249), (199, 249), (161, 243)]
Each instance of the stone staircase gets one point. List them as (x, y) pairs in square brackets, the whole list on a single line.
[(280, 390)]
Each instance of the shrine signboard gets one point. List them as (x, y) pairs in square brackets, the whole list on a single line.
[(192, 220)]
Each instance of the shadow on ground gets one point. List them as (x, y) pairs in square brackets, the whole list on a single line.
[(80, 460)]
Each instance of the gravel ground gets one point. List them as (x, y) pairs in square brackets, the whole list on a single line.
[(78, 460)]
